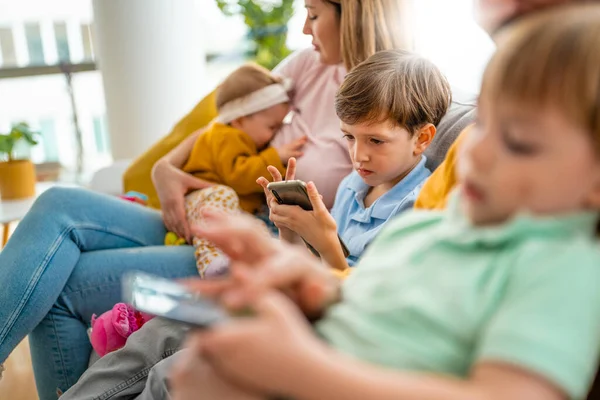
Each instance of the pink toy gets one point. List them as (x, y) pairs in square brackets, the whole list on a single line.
[(111, 329)]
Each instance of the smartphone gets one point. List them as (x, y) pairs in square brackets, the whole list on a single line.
[(168, 299), (294, 193), (291, 193)]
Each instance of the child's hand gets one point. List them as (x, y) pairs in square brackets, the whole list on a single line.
[(261, 263), (191, 378), (293, 149), (317, 227), (290, 174), (266, 352)]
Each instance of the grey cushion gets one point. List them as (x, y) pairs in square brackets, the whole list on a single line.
[(460, 115)]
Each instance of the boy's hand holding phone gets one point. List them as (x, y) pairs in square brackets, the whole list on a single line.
[(290, 174), (317, 227), (298, 211)]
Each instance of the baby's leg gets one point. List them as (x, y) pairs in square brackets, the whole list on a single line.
[(211, 261)]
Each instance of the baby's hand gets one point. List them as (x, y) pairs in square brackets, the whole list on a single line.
[(293, 149)]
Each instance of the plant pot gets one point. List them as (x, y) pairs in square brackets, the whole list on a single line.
[(17, 179)]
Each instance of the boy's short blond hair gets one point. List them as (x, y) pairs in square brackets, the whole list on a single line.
[(396, 86), (246, 79), (551, 59)]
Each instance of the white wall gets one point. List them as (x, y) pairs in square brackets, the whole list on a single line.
[(151, 56)]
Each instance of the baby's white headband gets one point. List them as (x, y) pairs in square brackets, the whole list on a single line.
[(256, 101)]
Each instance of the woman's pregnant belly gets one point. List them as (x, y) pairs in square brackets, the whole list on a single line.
[(326, 164), (326, 160)]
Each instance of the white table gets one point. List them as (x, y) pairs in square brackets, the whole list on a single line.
[(14, 210)]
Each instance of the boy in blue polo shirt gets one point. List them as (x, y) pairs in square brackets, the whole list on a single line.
[(389, 107)]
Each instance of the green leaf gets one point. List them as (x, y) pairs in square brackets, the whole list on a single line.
[(6, 144), (264, 19), (20, 131)]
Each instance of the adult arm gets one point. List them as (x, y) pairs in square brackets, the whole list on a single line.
[(172, 184)]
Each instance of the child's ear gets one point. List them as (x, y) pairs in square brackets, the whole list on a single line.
[(237, 123), (424, 137)]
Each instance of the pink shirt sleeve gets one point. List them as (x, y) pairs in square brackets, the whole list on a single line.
[(326, 160)]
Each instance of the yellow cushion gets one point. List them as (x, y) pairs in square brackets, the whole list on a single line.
[(137, 177), (341, 274), (439, 185)]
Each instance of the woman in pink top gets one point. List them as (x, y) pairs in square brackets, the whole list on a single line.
[(65, 260), (325, 159), (335, 27)]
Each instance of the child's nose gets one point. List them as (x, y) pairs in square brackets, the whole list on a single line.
[(479, 151), (360, 154)]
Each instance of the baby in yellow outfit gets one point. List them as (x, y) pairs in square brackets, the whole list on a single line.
[(234, 152)]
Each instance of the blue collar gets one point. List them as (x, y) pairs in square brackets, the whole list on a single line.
[(384, 206)]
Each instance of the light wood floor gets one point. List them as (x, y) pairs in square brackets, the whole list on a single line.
[(17, 382)]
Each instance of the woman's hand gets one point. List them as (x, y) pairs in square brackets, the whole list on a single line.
[(172, 184), (317, 227), (267, 351), (290, 174), (261, 263)]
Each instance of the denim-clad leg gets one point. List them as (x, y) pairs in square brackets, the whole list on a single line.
[(63, 263)]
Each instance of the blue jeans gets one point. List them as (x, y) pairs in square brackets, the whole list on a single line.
[(64, 263)]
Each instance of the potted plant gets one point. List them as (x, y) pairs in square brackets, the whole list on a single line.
[(17, 176), (267, 26)]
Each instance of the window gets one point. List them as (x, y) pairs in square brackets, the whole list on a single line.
[(34, 43), (49, 140), (62, 42), (88, 46), (100, 136), (7, 48)]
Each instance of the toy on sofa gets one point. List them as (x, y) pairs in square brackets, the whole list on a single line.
[(135, 197), (111, 329), (171, 238)]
